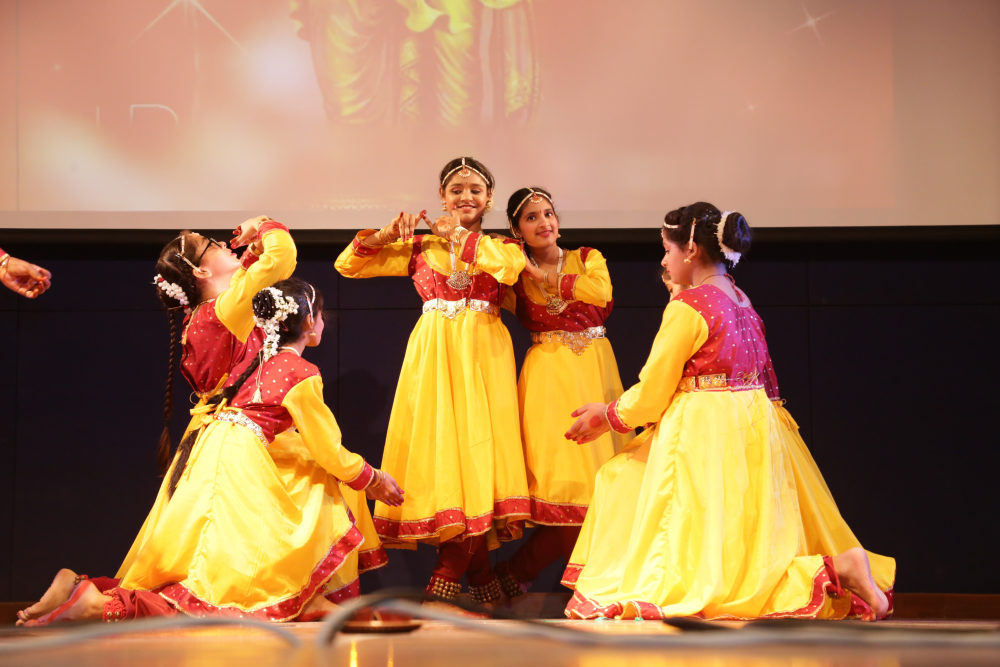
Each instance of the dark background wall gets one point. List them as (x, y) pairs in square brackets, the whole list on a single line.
[(884, 342)]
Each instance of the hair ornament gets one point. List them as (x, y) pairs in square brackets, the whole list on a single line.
[(173, 290), (466, 170), (694, 221), (730, 254), (182, 257), (283, 307), (535, 197)]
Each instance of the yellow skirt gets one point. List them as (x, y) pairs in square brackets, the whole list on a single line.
[(300, 472), (236, 539), (554, 382), (201, 415), (718, 511), (454, 441)]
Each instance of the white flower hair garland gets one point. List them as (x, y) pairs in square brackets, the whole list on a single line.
[(283, 307), (173, 290), (728, 252)]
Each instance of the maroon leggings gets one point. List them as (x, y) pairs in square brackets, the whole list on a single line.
[(469, 557), (127, 604)]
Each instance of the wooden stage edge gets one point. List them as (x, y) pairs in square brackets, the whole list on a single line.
[(909, 606)]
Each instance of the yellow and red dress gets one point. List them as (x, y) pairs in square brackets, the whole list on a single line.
[(717, 509), (236, 538), (571, 363), (453, 440), (219, 334)]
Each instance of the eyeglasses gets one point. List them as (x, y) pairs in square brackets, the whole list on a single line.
[(197, 262), (211, 242)]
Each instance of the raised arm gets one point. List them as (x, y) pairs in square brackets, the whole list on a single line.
[(382, 252), (593, 286), (269, 259), (501, 258)]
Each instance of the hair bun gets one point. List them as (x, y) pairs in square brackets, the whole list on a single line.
[(264, 306), (736, 232)]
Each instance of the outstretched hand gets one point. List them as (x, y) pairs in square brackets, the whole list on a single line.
[(27, 279), (591, 423), (384, 488), (248, 231)]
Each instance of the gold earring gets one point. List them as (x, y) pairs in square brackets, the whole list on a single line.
[(444, 206), (687, 260), (489, 203)]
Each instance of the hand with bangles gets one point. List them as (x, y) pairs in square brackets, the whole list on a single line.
[(384, 488), (248, 231), (591, 423), (25, 278), (448, 226), (401, 228)]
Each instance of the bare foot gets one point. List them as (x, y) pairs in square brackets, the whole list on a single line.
[(58, 592), (856, 574), (86, 603)]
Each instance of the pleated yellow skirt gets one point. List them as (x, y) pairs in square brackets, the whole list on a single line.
[(554, 382), (454, 441), (240, 538), (719, 511)]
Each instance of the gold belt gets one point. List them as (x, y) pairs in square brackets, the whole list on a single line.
[(718, 381), (574, 340), (239, 418), (451, 309)]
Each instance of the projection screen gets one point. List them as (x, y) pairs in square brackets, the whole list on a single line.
[(340, 113)]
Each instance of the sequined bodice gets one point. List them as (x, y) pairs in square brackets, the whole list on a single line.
[(735, 345)]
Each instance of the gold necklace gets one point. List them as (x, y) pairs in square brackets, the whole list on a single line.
[(554, 304), (459, 279), (290, 349), (714, 275)]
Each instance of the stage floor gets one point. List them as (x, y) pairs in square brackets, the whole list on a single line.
[(885, 644)]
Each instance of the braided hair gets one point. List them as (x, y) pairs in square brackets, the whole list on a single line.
[(172, 269)]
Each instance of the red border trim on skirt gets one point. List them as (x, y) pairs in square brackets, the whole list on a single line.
[(372, 559), (185, 601), (504, 511), (547, 513), (825, 584)]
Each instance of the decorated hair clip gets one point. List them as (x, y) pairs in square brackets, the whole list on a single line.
[(173, 290), (283, 307), (182, 257), (730, 254)]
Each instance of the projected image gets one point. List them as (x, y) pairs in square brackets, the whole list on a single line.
[(343, 108), (455, 62)]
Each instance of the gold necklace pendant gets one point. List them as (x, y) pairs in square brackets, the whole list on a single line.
[(459, 280), (555, 305)]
